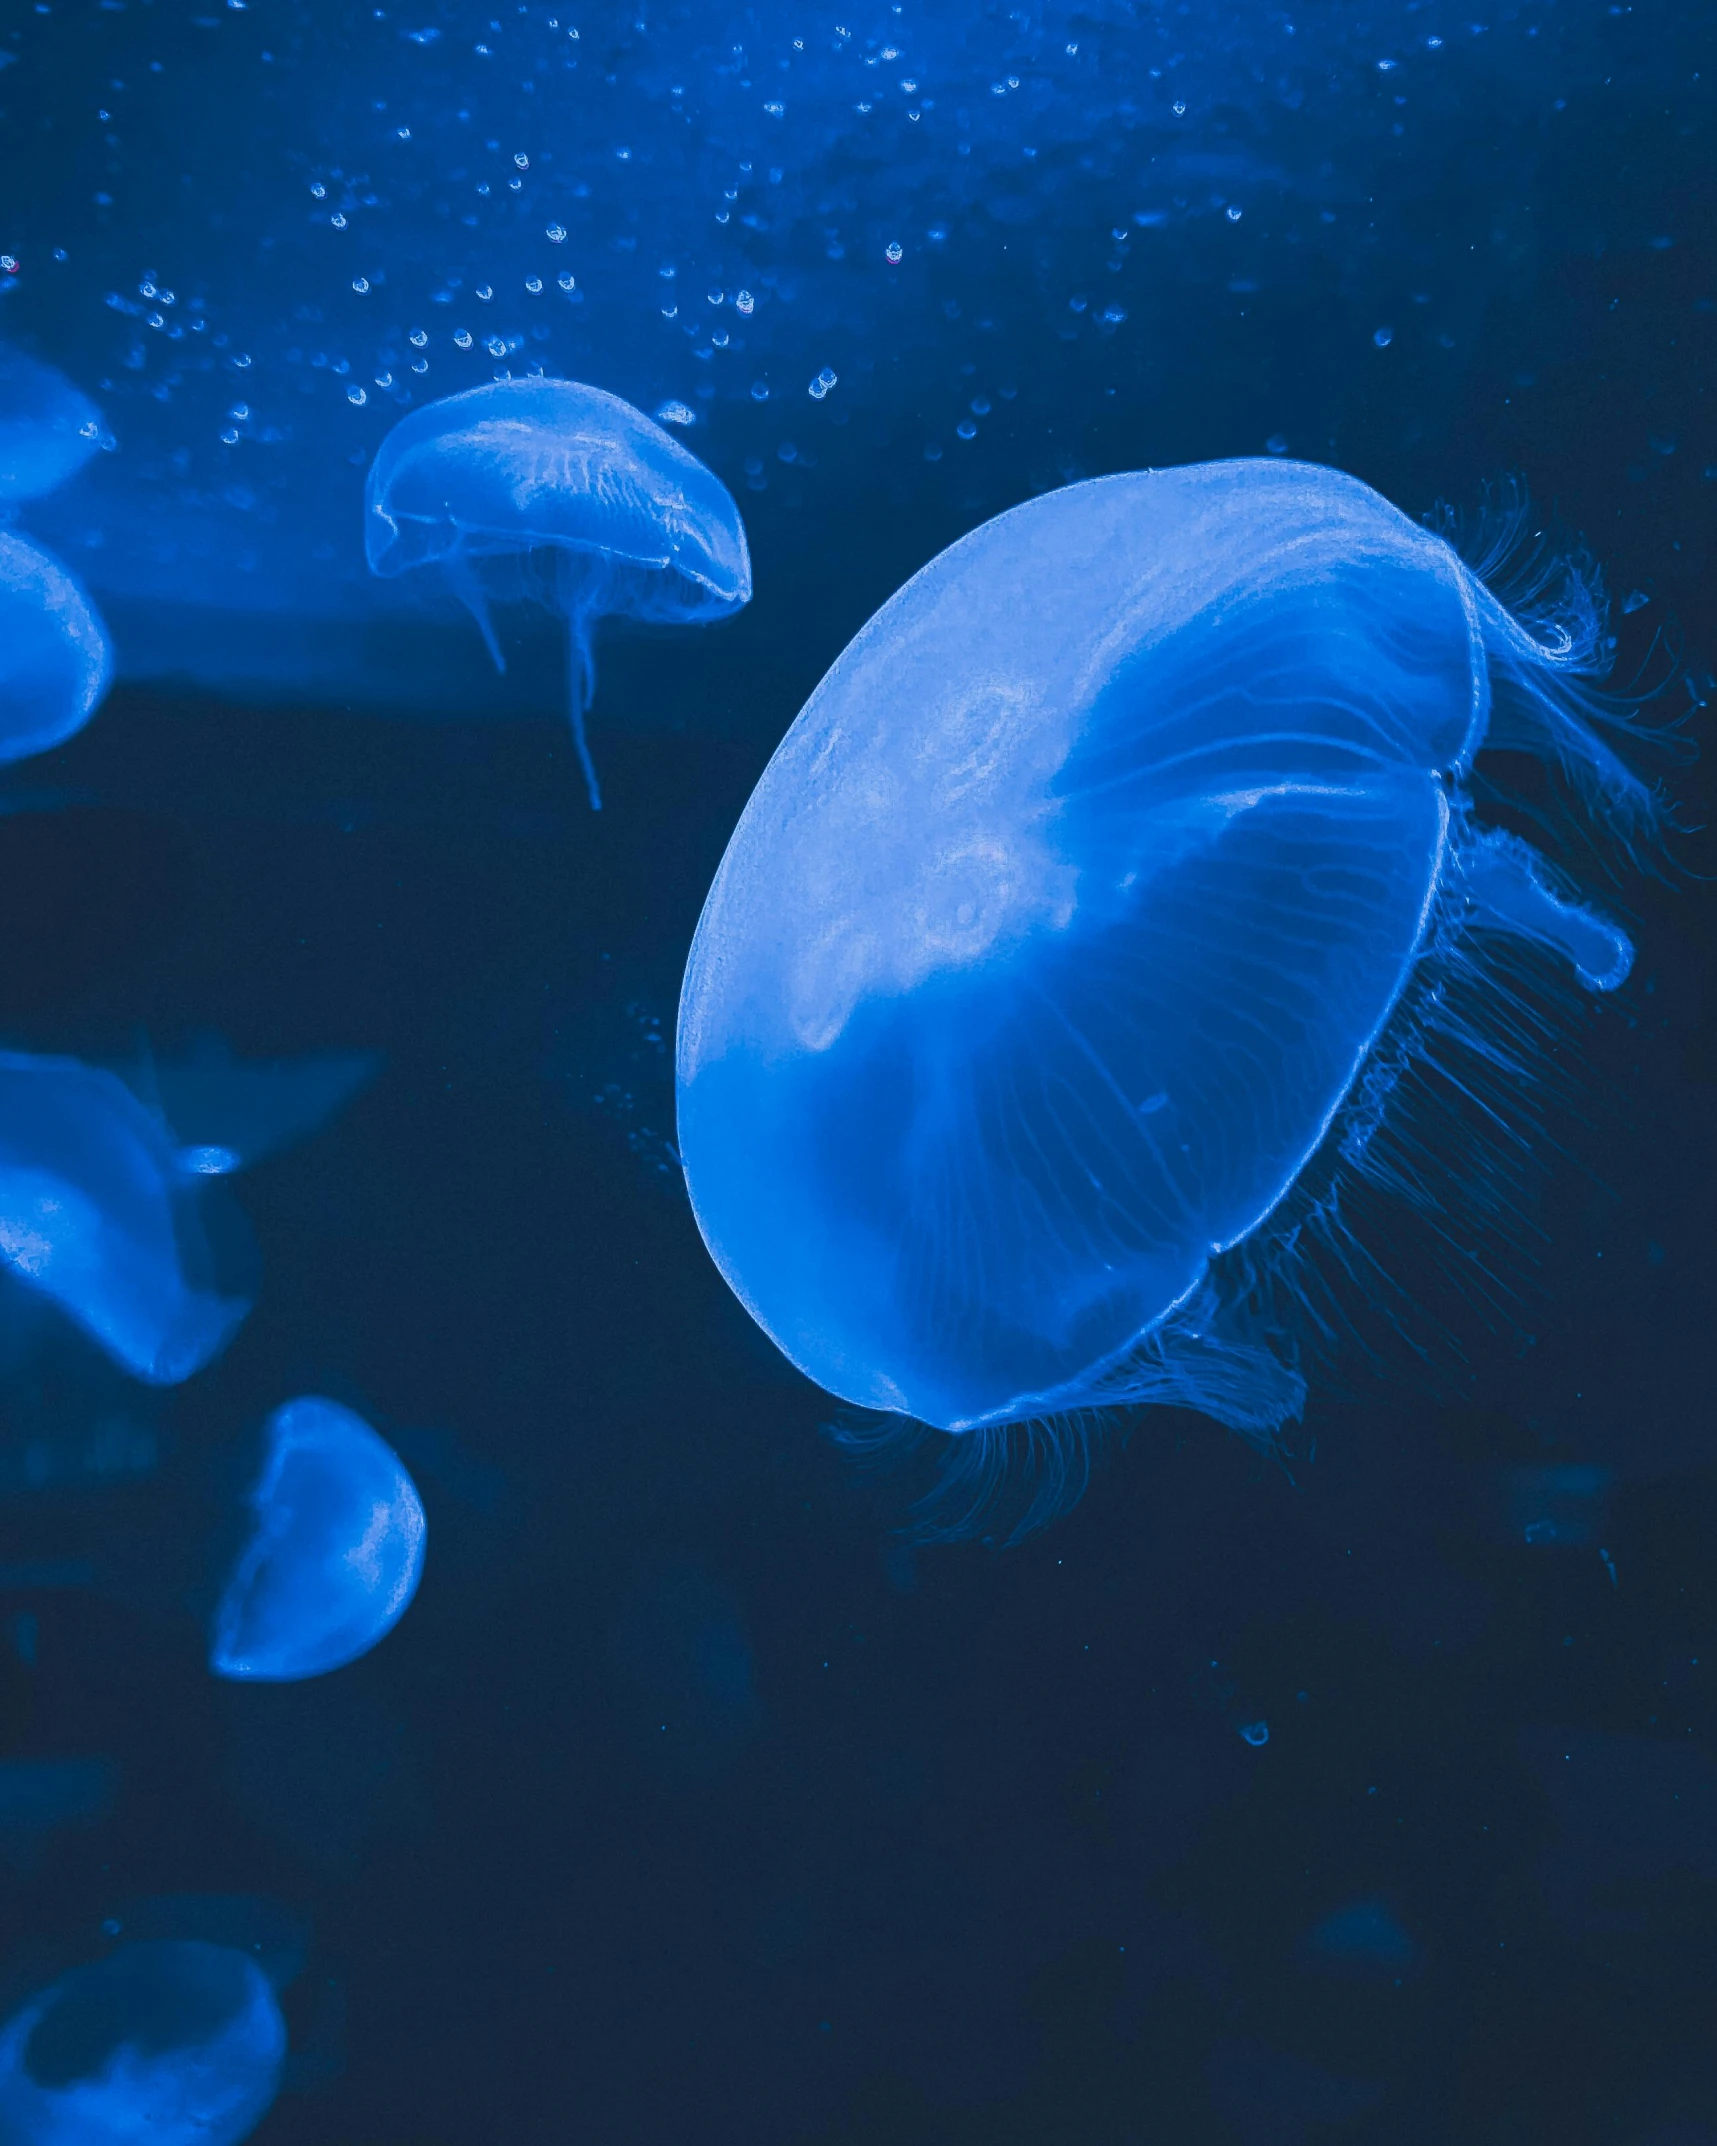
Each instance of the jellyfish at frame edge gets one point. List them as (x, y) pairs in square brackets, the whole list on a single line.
[(55, 659), (1072, 910), (565, 494), (174, 2041), (334, 1553), (100, 1212), (48, 428)]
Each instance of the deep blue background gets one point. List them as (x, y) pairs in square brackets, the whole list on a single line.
[(689, 1801)]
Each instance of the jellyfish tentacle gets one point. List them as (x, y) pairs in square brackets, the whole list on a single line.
[(1507, 886), (462, 580), (579, 588), (580, 683)]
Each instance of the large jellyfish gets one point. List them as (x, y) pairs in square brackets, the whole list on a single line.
[(99, 1211), (1068, 914), (172, 2041), (55, 662), (334, 1552), (48, 428), (560, 492)]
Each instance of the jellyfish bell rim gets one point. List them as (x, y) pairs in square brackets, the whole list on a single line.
[(478, 543), (51, 586)]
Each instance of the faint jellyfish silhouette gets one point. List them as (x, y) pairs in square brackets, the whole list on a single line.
[(177, 2042), (55, 661), (1064, 927), (99, 1213), (334, 1554), (48, 428), (561, 493)]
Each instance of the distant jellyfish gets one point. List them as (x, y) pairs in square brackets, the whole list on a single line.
[(334, 1552), (179, 2043), (558, 492), (100, 1214), (1066, 924), (55, 661), (48, 428)]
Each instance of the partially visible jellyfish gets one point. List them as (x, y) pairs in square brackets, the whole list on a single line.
[(334, 1552), (100, 1214), (1064, 926), (177, 2042), (558, 492), (232, 1112), (48, 428), (55, 661)]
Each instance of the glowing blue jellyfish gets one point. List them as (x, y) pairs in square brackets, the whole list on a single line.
[(48, 429), (334, 1555), (99, 1213), (1068, 914), (552, 490), (178, 2043), (55, 662)]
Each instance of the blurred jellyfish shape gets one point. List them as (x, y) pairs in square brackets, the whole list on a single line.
[(48, 428), (55, 661), (558, 492), (1066, 922), (99, 1214), (178, 2043), (231, 1112), (334, 1554)]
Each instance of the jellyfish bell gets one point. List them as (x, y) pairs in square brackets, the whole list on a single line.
[(563, 492), (1068, 915), (176, 2041), (48, 428), (99, 1215), (55, 659), (333, 1554)]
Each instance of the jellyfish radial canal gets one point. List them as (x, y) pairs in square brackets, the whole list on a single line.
[(562, 493), (55, 662), (174, 2041), (1065, 917), (334, 1553)]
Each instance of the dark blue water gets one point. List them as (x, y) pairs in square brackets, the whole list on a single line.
[(1359, 1792)]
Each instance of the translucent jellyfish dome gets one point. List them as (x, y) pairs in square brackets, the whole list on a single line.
[(99, 1211), (48, 428), (55, 662), (557, 491), (176, 2042), (1068, 914), (334, 1554)]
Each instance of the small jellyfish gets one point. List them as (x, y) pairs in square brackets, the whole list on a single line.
[(174, 2041), (48, 429), (55, 661), (334, 1554), (1060, 932), (99, 1214), (550, 490)]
